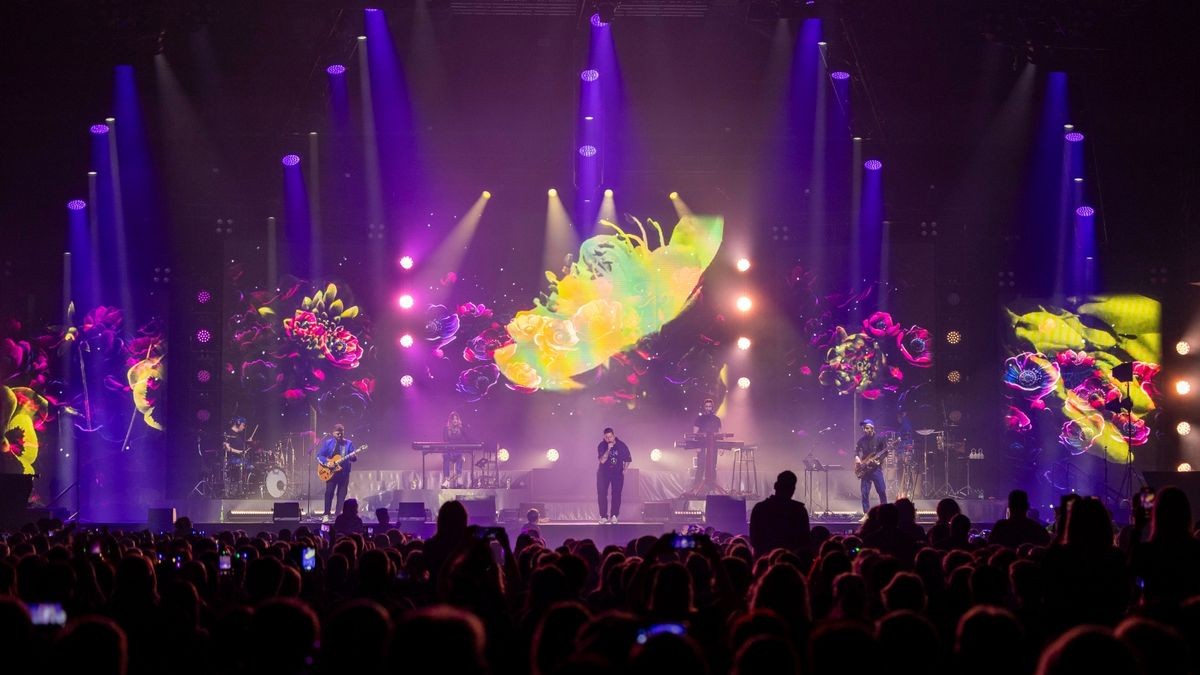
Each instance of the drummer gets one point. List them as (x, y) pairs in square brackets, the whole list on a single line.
[(235, 439)]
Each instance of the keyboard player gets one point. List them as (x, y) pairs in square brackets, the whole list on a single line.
[(452, 462)]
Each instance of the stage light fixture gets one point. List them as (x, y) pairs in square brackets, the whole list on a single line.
[(608, 192), (362, 38), (486, 195), (552, 455), (99, 129), (840, 75), (1183, 428), (336, 69), (406, 381), (872, 165), (290, 160), (203, 415), (1183, 387), (203, 376), (744, 303), (953, 337), (204, 336), (1183, 467), (597, 22), (1085, 212), (551, 192), (589, 118), (656, 455), (590, 75), (673, 196), (203, 296), (743, 343), (77, 205), (743, 383), (1183, 348), (1077, 179), (1073, 137), (743, 264), (406, 301), (406, 340), (406, 262), (954, 377), (587, 151), (502, 455)]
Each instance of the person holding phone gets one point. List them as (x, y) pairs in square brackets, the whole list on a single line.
[(614, 457)]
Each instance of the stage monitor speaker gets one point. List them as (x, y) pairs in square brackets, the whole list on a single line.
[(524, 507), (726, 514), (160, 520), (1188, 481), (285, 512), (656, 512), (409, 512), (480, 511)]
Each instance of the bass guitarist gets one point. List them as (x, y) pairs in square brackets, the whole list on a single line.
[(868, 464), (336, 444)]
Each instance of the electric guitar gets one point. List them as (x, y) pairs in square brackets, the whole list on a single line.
[(334, 465), (870, 462)]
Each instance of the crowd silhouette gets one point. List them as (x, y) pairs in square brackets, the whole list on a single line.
[(1077, 596)]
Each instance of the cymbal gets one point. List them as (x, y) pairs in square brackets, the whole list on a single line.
[(925, 432)]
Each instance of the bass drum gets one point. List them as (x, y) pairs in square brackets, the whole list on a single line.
[(276, 483)]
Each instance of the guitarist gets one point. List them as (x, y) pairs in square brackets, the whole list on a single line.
[(871, 449), (336, 444)]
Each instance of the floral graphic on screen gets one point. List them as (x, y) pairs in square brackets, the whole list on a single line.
[(868, 363), (1062, 373), (305, 343)]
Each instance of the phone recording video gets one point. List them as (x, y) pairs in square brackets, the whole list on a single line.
[(47, 614), (683, 542), (1147, 499), (224, 562), (308, 559), (658, 628)]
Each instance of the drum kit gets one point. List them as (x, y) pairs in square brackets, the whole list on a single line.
[(914, 462), (256, 472)]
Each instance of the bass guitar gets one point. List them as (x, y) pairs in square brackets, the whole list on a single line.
[(869, 463), (334, 464)]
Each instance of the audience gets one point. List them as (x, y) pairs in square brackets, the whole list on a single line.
[(464, 601)]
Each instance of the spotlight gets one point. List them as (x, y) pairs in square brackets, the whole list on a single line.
[(502, 454), (1085, 212), (406, 262), (110, 120), (203, 297), (1073, 137), (1183, 428), (656, 455), (203, 415), (954, 377), (872, 165), (673, 196), (551, 192), (77, 205), (744, 304), (1183, 387), (743, 264), (362, 38), (1068, 127), (204, 336), (99, 129), (590, 75), (336, 69), (822, 43), (1078, 179), (406, 381), (608, 192), (1182, 348), (953, 337), (743, 343), (486, 195), (406, 301), (587, 151), (1183, 467), (743, 383), (290, 160), (840, 75), (552, 455), (597, 22), (203, 376), (406, 340)]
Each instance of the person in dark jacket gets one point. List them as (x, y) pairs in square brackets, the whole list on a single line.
[(613, 457), (779, 521)]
